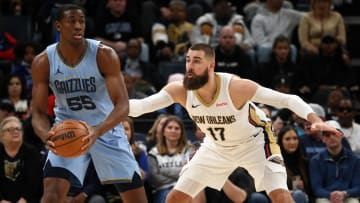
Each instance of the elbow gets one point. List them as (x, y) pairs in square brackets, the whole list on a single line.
[(125, 111)]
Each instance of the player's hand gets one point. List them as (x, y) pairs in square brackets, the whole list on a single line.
[(49, 144), (90, 139), (325, 127)]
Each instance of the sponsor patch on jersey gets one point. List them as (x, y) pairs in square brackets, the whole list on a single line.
[(220, 104)]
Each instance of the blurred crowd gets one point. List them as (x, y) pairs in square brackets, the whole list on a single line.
[(297, 47)]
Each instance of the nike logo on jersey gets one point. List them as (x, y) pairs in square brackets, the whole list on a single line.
[(256, 134), (195, 106)]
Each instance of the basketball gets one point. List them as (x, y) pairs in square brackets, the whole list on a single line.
[(67, 138)]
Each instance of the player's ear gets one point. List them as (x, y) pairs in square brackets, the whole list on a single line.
[(212, 64), (57, 26)]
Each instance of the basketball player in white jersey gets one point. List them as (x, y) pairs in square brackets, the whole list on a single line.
[(237, 132)]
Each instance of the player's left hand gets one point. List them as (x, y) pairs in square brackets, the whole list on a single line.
[(88, 140), (325, 127)]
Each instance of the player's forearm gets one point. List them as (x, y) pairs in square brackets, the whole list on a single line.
[(119, 113), (313, 118), (41, 125), (280, 100), (149, 104)]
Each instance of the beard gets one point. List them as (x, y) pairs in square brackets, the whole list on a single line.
[(197, 81)]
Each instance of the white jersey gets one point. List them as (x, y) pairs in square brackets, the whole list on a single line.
[(226, 125)]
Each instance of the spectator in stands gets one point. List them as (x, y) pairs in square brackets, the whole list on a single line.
[(19, 7), (208, 26), (282, 83), (16, 7), (155, 131), (24, 55), (179, 29), (15, 92), (266, 109), (116, 25), (296, 164), (332, 101), (133, 92), (317, 23), (281, 118), (230, 57), (334, 172), (135, 67), (251, 7), (271, 21), (280, 65), (167, 158), (345, 114), (20, 168), (329, 61), (159, 11), (239, 187), (6, 109), (138, 149)]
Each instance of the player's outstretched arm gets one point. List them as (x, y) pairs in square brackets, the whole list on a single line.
[(259, 94), (171, 93)]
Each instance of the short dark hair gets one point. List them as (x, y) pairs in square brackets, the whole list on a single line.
[(209, 51), (281, 38), (67, 7)]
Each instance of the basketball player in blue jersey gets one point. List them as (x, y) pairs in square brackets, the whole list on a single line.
[(85, 78), (237, 132)]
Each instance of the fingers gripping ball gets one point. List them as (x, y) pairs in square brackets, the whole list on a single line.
[(68, 138)]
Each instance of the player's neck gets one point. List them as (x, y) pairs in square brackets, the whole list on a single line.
[(72, 54), (208, 91)]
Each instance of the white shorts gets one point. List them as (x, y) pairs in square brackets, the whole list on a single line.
[(212, 164)]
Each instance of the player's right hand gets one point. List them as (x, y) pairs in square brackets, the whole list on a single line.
[(323, 127), (49, 144)]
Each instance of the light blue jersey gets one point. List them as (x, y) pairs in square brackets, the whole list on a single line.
[(81, 94), (80, 91)]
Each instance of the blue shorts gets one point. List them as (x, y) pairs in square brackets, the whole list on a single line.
[(112, 157)]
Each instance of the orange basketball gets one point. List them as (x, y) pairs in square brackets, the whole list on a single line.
[(68, 138)]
